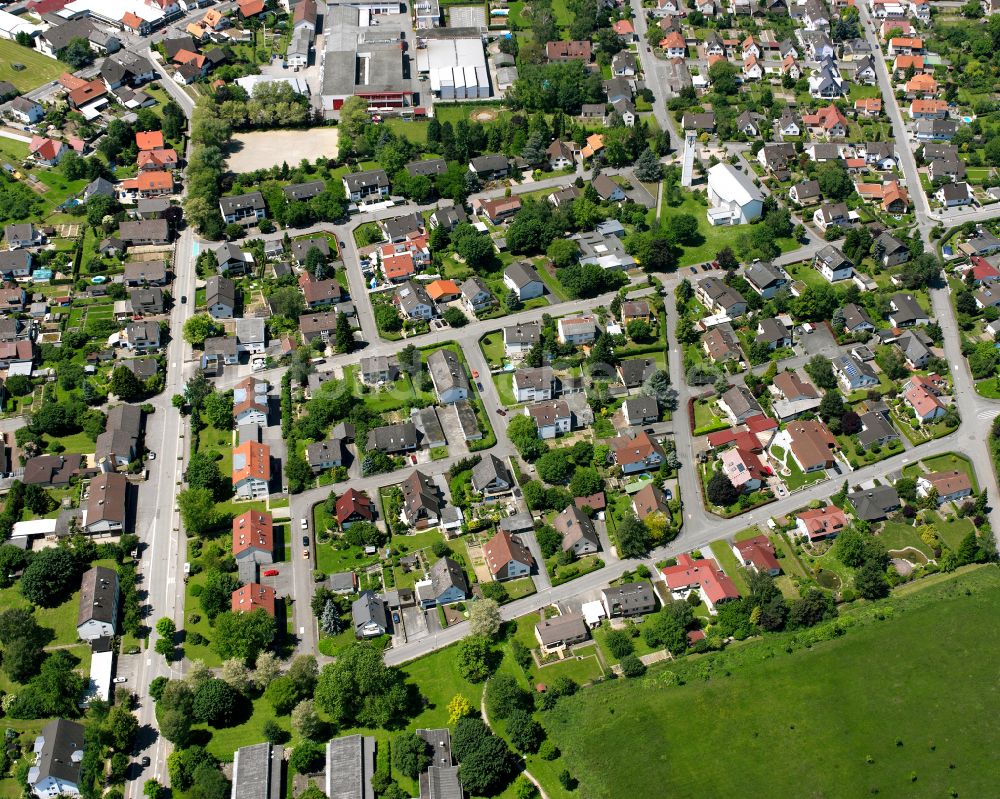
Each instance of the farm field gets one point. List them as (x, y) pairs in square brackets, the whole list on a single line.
[(912, 732)]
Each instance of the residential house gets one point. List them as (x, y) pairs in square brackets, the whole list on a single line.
[(446, 583), (491, 477), (476, 295), (252, 470), (806, 193), (413, 301), (743, 468), (607, 189), (220, 297), (703, 577), (370, 621), (820, 524), (739, 404), (925, 403), (533, 384), (253, 537), (650, 499), (520, 338), (905, 311), (97, 616), (893, 251), (26, 111), (774, 334), (490, 167), (59, 751), (353, 506), (831, 214), (552, 418), (721, 344), (914, 350), (758, 554), (876, 430), (448, 375), (447, 217), (720, 298), (143, 336), (947, 486), (829, 122), (636, 454), (250, 402), (577, 330), (577, 530), (369, 186), (628, 599), (633, 372), (641, 410), (146, 273), (832, 264), (393, 439), (874, 504), (244, 209), (422, 502), (793, 396), (522, 278), (507, 557), (23, 235), (560, 632), (954, 195), (811, 444), (499, 210), (323, 455), (106, 509)]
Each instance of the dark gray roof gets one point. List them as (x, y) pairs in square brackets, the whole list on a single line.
[(487, 470), (635, 371), (368, 607), (523, 333), (393, 438), (641, 407), (253, 199), (430, 166), (304, 191), (874, 503), (447, 371), (490, 163), (220, 291), (61, 752), (447, 574), (522, 274), (257, 772), (875, 428), (420, 495), (98, 596), (350, 764), (398, 226), (99, 186), (364, 180), (630, 596)]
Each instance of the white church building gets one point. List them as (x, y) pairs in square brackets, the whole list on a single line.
[(734, 198)]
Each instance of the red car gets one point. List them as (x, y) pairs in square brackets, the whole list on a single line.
[(271, 573)]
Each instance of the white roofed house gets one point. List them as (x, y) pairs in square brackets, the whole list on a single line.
[(734, 197)]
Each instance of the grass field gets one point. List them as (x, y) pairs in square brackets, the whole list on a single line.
[(951, 532), (723, 553), (39, 68), (924, 726), (896, 535), (713, 238)]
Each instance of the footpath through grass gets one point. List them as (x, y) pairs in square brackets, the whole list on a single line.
[(902, 706)]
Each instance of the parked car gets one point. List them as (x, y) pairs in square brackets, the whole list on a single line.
[(121, 679), (668, 494), (305, 524), (184, 299), (146, 761), (305, 540), (271, 573), (305, 554)]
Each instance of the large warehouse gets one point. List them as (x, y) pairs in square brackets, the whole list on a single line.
[(365, 54), (456, 68)]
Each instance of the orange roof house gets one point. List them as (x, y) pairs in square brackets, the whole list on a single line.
[(869, 106), (398, 266), (624, 28), (251, 465), (595, 143), (890, 195), (922, 84), (213, 19), (703, 576), (149, 140), (250, 8), (905, 62), (133, 22), (70, 82), (673, 41), (248, 598), (821, 523), (253, 532), (156, 159), (153, 182), (90, 91), (442, 290), (827, 118)]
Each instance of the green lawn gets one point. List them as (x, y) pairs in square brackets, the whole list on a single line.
[(902, 708), (554, 286), (11, 149), (504, 383), (39, 68), (439, 679), (713, 237), (951, 532), (952, 462), (521, 587), (798, 478), (415, 130), (896, 535), (706, 420), (727, 560), (492, 346)]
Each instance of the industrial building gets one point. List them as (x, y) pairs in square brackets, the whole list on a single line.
[(456, 68), (365, 55)]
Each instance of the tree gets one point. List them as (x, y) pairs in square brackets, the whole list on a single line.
[(203, 472), (175, 726), (484, 618), (125, 385), (721, 491), (216, 593), (152, 789), (266, 671), (329, 622), (820, 370), (475, 658), (304, 673), (667, 630), (218, 409), (359, 689), (684, 228), (22, 658), (454, 317), (306, 722), (200, 327), (77, 53), (354, 117), (215, 703), (51, 576), (834, 181), (282, 695), (648, 167), (504, 695), (410, 754), (236, 674), (244, 635), (722, 75), (554, 466), (585, 482), (632, 666), (209, 783), (563, 252), (831, 406), (870, 581), (633, 539), (488, 768), (639, 330), (850, 548), (525, 734), (197, 507), (344, 336), (814, 607), (121, 726), (458, 708), (620, 643)]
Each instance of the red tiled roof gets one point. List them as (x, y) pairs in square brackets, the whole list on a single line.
[(502, 549), (704, 574), (253, 530), (150, 139), (251, 596), (759, 551), (155, 181), (821, 522), (353, 502), (760, 423), (257, 460)]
